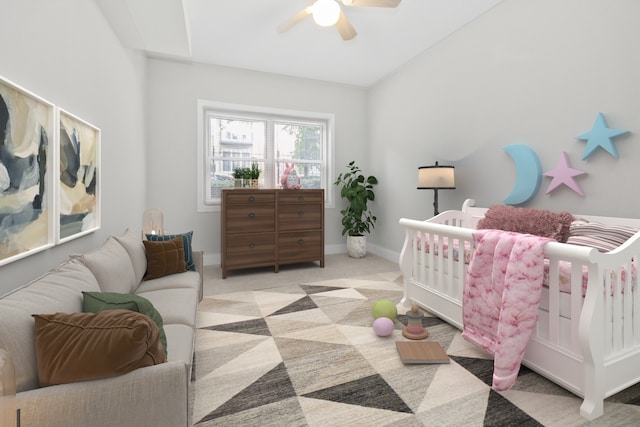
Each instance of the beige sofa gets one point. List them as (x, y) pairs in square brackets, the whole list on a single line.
[(150, 396)]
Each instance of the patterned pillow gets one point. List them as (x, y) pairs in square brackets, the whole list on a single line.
[(602, 237), (186, 237), (539, 222)]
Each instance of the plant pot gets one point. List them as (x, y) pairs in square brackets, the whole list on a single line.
[(357, 246)]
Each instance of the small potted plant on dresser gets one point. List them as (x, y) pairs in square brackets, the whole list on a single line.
[(247, 177), (357, 219)]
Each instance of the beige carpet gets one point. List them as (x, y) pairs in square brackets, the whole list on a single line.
[(297, 349)]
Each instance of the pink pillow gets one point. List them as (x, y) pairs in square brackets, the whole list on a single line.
[(554, 225)]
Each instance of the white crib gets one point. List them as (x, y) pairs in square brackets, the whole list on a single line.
[(588, 344)]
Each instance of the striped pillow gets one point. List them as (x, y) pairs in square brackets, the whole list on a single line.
[(602, 237)]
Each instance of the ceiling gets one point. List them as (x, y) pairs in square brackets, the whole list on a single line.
[(242, 34)]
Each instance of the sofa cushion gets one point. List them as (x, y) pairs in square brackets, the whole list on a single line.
[(182, 341), (164, 258), (73, 347), (95, 302), (186, 239), (188, 280), (132, 243), (57, 290), (175, 305), (539, 222), (112, 267)]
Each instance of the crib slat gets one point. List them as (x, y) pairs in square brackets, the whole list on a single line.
[(553, 332), (576, 304)]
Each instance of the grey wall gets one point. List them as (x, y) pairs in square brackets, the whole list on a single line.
[(65, 52), (527, 72), (535, 73), (173, 89)]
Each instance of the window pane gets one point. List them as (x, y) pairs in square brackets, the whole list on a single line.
[(296, 141), (238, 138), (233, 143)]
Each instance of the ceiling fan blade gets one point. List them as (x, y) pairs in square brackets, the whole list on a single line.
[(345, 28), (289, 23), (372, 3)]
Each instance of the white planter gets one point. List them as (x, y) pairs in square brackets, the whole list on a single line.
[(357, 246)]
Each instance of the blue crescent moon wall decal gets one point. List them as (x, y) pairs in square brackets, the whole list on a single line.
[(528, 174)]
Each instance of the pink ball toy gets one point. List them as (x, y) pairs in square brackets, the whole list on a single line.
[(383, 326)]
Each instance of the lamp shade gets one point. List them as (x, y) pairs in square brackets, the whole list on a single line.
[(152, 222), (436, 177)]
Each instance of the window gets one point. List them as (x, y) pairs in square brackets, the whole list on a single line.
[(237, 136)]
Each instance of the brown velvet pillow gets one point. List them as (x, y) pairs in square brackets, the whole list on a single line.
[(164, 258), (538, 222), (72, 347)]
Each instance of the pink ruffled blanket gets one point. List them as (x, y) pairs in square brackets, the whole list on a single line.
[(501, 297)]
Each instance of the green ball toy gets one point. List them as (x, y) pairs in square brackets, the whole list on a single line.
[(384, 308)]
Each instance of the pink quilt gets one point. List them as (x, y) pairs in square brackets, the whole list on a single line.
[(501, 297)]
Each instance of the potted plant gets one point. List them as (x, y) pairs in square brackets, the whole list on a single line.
[(357, 219), (254, 175), (238, 175), (247, 177)]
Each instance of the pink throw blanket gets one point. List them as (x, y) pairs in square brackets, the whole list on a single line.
[(501, 297)]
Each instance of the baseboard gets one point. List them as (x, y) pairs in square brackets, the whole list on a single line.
[(214, 259)]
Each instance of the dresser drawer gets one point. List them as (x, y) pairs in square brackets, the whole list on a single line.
[(254, 219), (299, 217), (299, 246), (249, 197), (247, 249), (301, 196)]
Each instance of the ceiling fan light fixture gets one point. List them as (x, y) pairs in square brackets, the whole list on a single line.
[(326, 12)]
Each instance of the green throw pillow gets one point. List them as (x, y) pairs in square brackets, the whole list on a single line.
[(95, 302), (186, 241)]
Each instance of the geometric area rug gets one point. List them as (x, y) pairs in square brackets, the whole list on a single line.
[(306, 355)]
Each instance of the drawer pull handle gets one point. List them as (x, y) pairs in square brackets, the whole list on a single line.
[(252, 245), (300, 197), (252, 215), (300, 241), (300, 213), (252, 198)]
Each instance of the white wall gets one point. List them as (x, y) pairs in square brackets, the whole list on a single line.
[(65, 52), (528, 72), (173, 89)]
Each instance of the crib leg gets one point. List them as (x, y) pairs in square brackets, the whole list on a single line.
[(591, 408)]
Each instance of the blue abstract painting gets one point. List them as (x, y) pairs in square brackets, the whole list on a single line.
[(26, 214), (79, 201)]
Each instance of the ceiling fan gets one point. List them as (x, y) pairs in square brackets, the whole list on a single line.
[(328, 12)]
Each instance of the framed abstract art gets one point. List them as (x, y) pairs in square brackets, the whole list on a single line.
[(78, 157), (27, 127)]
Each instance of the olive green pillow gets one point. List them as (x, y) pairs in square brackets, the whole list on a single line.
[(95, 302), (72, 347), (164, 258)]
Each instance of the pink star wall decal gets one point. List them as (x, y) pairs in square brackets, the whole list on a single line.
[(564, 174)]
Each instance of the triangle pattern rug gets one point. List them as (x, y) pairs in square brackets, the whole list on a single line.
[(306, 355)]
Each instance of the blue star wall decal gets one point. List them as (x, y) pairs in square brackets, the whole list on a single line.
[(600, 136), (564, 174)]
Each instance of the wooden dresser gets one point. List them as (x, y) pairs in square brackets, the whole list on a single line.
[(270, 228)]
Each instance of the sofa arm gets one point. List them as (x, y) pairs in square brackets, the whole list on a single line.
[(151, 396), (198, 260)]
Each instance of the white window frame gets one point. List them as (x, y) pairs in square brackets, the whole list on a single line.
[(207, 107)]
